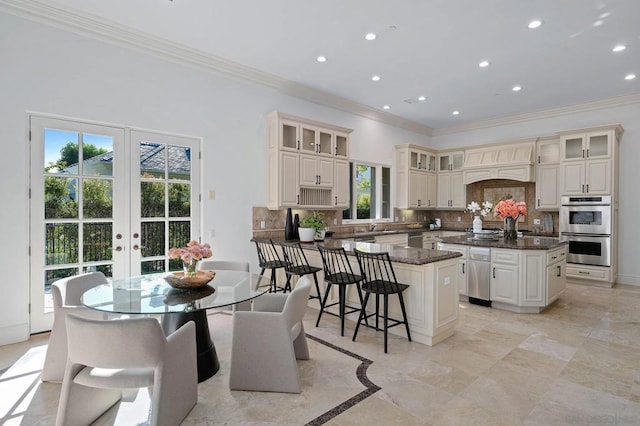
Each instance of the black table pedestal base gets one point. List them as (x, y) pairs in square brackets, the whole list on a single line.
[(208, 363)]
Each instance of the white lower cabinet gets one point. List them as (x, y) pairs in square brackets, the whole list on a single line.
[(527, 280), (504, 276), (463, 282)]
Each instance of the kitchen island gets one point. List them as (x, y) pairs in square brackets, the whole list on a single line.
[(432, 298), (525, 275)]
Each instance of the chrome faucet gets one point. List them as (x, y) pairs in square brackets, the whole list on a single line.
[(372, 227)]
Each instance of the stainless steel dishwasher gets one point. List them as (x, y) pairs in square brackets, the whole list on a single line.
[(479, 275)]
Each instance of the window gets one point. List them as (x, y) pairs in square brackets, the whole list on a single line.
[(370, 192)]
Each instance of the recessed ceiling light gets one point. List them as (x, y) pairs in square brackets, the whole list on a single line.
[(619, 48), (516, 88), (321, 59), (534, 24), (483, 64), (456, 112), (629, 76), (370, 36), (386, 107), (598, 23), (375, 78), (422, 98)]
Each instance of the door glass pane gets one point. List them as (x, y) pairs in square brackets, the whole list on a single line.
[(152, 239), (179, 236), (60, 197), (60, 149), (61, 243), (50, 276), (179, 162), (153, 266), (97, 155), (179, 200), (96, 241), (152, 160), (97, 198), (106, 269), (152, 199)]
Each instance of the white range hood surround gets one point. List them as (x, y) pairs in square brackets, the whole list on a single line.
[(513, 161)]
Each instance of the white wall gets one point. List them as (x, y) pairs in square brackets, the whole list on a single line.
[(629, 195), (48, 70)]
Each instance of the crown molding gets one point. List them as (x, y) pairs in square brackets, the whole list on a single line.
[(542, 114), (90, 25)]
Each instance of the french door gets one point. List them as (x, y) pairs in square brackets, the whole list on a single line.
[(106, 198)]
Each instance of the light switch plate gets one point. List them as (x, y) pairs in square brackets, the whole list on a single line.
[(536, 221)]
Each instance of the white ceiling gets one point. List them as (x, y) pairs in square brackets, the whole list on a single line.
[(424, 47)]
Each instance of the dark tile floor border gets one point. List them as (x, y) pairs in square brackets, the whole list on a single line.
[(361, 374)]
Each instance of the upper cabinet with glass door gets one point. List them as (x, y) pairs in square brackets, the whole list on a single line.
[(584, 146), (422, 160), (450, 161)]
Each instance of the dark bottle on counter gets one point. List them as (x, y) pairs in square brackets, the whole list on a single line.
[(288, 227), (296, 225)]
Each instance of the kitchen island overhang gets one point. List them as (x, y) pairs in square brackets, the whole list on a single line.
[(432, 275)]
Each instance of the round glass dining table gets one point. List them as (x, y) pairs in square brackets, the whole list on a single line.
[(152, 295)]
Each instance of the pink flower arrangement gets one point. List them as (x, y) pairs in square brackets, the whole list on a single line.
[(509, 208), (193, 251)]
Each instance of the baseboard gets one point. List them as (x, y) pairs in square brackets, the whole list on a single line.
[(628, 279)]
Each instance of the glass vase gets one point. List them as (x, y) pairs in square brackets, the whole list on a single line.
[(510, 232), (477, 224), (190, 268)]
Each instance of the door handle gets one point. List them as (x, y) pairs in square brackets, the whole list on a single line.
[(119, 248), (463, 268), (559, 271), (137, 247), (587, 188), (494, 272)]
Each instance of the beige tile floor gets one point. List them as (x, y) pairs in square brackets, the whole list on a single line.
[(577, 363)]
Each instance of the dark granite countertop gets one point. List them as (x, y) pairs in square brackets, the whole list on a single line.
[(375, 233), (400, 254), (525, 243)]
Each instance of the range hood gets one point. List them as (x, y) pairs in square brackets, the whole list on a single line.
[(510, 161)]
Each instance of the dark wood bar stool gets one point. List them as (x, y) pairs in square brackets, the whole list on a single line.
[(296, 263), (268, 258), (380, 279), (338, 271)]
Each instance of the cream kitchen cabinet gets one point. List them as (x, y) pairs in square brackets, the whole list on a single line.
[(306, 160), (463, 282), (548, 174), (451, 190), (586, 177), (341, 184), (450, 161), (415, 178), (589, 161), (422, 189), (316, 171), (504, 281)]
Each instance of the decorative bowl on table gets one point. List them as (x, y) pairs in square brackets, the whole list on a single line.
[(179, 280)]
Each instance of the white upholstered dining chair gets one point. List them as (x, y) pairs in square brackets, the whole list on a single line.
[(227, 265), (267, 341), (66, 294), (106, 357)]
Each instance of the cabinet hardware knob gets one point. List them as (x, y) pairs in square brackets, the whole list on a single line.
[(494, 272), (559, 271), (587, 188), (119, 236), (298, 199), (136, 235), (587, 152), (336, 200), (298, 145)]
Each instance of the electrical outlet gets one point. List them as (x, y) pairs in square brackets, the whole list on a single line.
[(335, 221), (459, 219), (536, 221), (396, 218), (404, 218), (262, 224)]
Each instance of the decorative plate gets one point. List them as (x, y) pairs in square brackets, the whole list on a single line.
[(178, 280)]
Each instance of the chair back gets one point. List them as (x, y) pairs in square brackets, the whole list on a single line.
[(267, 253), (294, 258), (334, 261), (377, 267), (223, 265), (125, 343), (68, 291), (296, 304)]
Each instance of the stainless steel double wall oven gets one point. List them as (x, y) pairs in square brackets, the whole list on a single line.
[(585, 222)]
